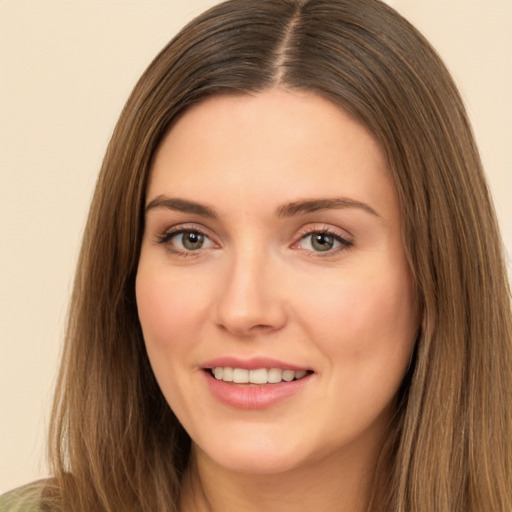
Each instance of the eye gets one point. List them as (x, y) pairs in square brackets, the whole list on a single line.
[(190, 240), (185, 240), (322, 241)]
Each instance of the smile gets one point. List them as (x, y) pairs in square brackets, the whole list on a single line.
[(256, 376), (258, 383)]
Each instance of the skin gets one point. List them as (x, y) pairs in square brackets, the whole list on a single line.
[(258, 287)]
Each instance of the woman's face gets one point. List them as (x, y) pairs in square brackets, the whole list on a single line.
[(272, 251)]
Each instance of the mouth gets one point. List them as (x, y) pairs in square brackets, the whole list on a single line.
[(256, 383), (257, 376)]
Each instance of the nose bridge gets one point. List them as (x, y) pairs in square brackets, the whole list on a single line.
[(250, 299)]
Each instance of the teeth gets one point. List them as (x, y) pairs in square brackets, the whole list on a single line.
[(275, 375), (288, 375), (240, 376), (258, 376)]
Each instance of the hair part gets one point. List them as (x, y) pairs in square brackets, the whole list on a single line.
[(450, 445)]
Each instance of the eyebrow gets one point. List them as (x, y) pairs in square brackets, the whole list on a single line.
[(288, 210), (181, 205), (315, 205)]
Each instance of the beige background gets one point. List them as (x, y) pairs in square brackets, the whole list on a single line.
[(66, 68)]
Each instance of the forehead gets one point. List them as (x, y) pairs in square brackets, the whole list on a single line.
[(277, 144)]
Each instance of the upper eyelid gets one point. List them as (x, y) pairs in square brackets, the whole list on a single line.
[(187, 226), (166, 234), (331, 230)]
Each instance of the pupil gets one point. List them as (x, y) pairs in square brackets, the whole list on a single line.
[(193, 240), (323, 242)]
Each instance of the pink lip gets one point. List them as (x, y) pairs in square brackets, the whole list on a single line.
[(253, 396), (251, 364)]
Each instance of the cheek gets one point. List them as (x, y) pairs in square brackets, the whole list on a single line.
[(366, 328), (365, 321), (171, 313), (170, 308)]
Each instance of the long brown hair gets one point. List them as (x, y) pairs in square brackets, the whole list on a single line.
[(115, 443)]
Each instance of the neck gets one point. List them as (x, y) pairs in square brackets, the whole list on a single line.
[(337, 483)]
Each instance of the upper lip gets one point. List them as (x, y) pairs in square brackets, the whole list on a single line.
[(252, 363)]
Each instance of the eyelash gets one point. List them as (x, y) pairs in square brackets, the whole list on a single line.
[(165, 238), (344, 243)]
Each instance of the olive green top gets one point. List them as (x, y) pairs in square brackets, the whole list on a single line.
[(23, 499)]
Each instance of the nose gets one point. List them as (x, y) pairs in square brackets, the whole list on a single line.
[(251, 298)]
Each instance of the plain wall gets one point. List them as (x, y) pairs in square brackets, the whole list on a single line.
[(66, 69)]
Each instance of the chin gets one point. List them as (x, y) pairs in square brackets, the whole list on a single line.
[(254, 455)]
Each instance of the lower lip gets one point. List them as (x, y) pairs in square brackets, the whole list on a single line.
[(253, 396)]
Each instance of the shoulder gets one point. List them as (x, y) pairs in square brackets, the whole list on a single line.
[(24, 499)]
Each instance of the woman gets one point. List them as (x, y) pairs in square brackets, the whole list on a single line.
[(291, 291)]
